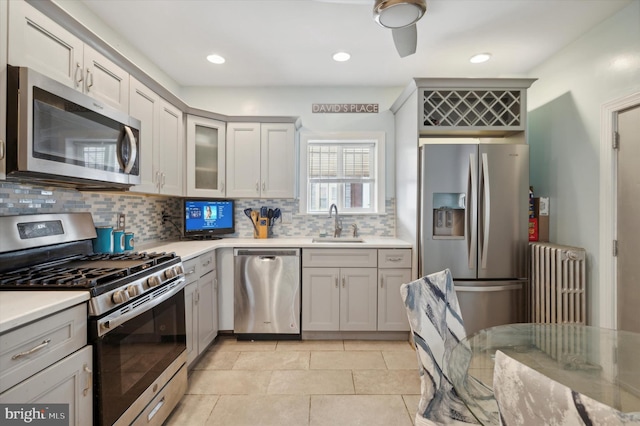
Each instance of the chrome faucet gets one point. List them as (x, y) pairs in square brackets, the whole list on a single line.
[(337, 226)]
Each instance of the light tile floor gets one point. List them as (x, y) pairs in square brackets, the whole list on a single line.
[(314, 383)]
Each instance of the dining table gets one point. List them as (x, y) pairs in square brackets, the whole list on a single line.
[(601, 363)]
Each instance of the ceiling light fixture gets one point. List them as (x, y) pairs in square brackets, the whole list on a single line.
[(341, 57), (398, 13), (216, 59), (480, 58)]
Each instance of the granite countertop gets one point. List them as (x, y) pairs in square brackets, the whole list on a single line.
[(21, 307), (187, 249)]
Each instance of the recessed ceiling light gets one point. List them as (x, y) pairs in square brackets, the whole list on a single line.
[(341, 57), (480, 58), (216, 59)]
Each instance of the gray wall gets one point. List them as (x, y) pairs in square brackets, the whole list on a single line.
[(564, 130)]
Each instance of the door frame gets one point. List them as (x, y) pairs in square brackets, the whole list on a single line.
[(608, 225)]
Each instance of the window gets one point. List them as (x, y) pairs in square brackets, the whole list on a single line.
[(342, 169)]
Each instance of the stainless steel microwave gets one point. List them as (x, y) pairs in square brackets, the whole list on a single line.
[(58, 135)]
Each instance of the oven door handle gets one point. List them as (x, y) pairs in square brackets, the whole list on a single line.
[(110, 322)]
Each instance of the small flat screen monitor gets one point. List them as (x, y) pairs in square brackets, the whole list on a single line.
[(208, 218)]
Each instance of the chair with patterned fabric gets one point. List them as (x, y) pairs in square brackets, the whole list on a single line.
[(437, 327), (528, 397)]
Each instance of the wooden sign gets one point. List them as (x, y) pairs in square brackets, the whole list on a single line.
[(344, 108)]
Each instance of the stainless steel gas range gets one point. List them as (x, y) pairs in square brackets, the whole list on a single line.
[(136, 316)]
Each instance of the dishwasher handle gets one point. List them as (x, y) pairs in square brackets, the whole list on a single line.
[(266, 252)]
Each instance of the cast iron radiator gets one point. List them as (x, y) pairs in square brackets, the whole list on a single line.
[(557, 284)]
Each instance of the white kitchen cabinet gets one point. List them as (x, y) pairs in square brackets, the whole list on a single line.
[(3, 90), (170, 138), (201, 304), (358, 299), (161, 139), (68, 381), (392, 314), (394, 269), (354, 289), (206, 157), (320, 299), (339, 290), (260, 160), (37, 42), (48, 361), (342, 299)]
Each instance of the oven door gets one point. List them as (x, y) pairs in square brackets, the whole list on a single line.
[(133, 350)]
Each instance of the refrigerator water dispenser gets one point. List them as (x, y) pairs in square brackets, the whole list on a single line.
[(448, 215)]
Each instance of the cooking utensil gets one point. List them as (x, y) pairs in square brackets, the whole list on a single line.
[(270, 217), (277, 214), (250, 213), (255, 217), (263, 211)]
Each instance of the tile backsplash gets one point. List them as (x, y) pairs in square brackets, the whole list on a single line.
[(144, 212)]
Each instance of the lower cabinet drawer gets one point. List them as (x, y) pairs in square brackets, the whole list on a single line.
[(68, 381), (28, 349), (207, 263), (191, 270), (394, 258)]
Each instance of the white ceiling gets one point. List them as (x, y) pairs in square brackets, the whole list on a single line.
[(291, 42)]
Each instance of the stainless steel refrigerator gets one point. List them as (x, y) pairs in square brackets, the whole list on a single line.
[(474, 221)]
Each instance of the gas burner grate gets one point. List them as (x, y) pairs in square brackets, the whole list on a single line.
[(63, 275), (60, 277)]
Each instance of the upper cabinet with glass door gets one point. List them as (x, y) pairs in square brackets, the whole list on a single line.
[(205, 157)]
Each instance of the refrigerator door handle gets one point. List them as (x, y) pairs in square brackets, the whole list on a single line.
[(486, 205), (472, 197)]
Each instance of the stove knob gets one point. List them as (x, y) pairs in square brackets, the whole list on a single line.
[(119, 296), (153, 281), (179, 270), (133, 291), (169, 273)]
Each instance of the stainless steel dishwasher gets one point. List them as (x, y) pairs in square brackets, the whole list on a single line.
[(267, 294)]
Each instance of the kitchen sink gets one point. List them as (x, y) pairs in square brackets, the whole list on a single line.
[(337, 240)]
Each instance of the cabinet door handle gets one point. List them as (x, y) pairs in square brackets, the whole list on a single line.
[(32, 350), (264, 186), (336, 282), (87, 370), (163, 179), (1, 149), (257, 186), (381, 282), (215, 284), (77, 73), (222, 186), (394, 259), (89, 79), (192, 271), (344, 281)]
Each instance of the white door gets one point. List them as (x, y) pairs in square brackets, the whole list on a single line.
[(628, 225)]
